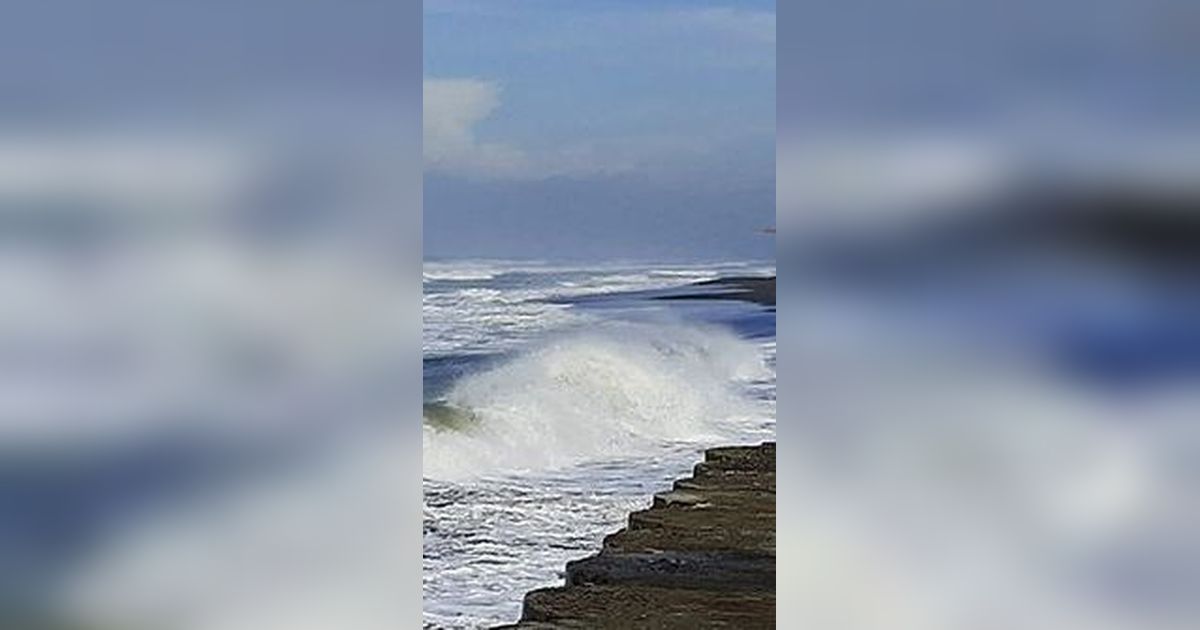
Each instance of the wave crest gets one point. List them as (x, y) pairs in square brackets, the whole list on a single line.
[(613, 390)]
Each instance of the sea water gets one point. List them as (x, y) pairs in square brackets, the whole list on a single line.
[(573, 397)]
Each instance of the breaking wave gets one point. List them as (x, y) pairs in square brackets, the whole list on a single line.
[(612, 390)]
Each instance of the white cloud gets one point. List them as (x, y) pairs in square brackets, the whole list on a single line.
[(453, 109), (456, 107)]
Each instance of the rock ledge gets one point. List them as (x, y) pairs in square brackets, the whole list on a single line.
[(702, 556)]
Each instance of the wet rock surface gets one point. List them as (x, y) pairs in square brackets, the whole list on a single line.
[(702, 556)]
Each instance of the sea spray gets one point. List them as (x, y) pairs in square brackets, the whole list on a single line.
[(612, 390)]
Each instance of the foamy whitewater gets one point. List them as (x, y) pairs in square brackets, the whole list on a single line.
[(606, 391), (552, 412)]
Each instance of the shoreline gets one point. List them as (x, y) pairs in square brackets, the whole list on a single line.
[(703, 555), (755, 289)]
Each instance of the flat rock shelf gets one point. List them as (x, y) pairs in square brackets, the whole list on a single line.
[(702, 556)]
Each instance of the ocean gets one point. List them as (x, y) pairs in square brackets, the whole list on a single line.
[(558, 399)]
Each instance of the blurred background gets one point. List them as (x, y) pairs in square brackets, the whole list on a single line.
[(209, 245), (209, 220), (989, 223)]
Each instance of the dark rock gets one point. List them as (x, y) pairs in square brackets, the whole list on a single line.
[(650, 607), (759, 290), (680, 570), (702, 556)]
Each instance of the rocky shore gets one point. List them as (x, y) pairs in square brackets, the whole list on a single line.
[(702, 556)]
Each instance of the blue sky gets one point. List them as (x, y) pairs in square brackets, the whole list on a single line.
[(552, 114)]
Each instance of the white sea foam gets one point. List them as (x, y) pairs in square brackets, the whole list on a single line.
[(465, 312), (613, 390)]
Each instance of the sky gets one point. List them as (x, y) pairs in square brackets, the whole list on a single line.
[(609, 129)]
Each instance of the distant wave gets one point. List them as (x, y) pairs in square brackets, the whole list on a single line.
[(458, 276), (611, 390)]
